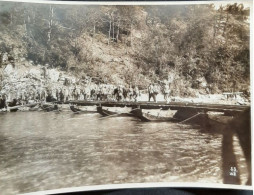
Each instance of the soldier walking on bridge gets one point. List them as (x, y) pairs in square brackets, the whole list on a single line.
[(136, 93), (166, 92), (152, 92)]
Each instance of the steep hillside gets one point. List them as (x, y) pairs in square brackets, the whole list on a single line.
[(197, 48)]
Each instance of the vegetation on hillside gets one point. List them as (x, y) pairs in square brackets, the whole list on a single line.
[(200, 48)]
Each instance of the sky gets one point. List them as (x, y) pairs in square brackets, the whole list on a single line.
[(217, 4)]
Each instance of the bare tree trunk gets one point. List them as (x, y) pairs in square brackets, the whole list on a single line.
[(113, 36), (50, 23), (131, 35), (220, 16), (34, 15), (94, 28), (214, 28), (157, 58), (225, 26), (109, 31), (76, 45), (13, 12), (43, 57), (118, 26), (11, 18), (25, 20)]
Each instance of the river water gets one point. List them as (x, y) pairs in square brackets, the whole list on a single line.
[(43, 151)]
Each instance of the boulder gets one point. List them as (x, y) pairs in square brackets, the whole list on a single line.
[(5, 58), (8, 69), (202, 82), (35, 73), (53, 75)]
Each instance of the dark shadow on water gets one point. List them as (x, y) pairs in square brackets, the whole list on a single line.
[(229, 162), (239, 126)]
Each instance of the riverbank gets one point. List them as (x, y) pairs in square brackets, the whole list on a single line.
[(209, 99), (26, 79)]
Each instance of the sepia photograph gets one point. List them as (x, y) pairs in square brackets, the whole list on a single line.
[(130, 93)]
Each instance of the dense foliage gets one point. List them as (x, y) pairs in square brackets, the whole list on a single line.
[(200, 48)]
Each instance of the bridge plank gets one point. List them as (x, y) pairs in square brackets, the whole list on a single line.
[(164, 105)]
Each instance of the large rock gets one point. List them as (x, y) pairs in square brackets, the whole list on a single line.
[(35, 73), (8, 69), (202, 82), (4, 58), (53, 75), (61, 78)]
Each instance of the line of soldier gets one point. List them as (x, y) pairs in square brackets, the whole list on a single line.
[(66, 93), (89, 92)]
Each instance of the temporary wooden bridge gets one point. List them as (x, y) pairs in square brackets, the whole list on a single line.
[(200, 107)]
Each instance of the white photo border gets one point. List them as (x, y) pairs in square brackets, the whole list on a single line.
[(157, 184)]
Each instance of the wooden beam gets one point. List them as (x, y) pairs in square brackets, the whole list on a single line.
[(165, 106)]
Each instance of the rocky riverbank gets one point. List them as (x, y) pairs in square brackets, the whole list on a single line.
[(26, 77), (29, 78)]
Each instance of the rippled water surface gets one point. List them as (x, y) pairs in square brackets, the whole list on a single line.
[(42, 151)]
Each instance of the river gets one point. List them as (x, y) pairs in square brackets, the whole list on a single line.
[(43, 151)]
